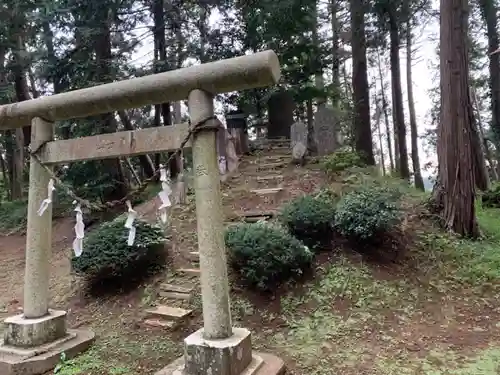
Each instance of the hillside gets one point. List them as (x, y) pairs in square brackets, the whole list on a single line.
[(430, 307)]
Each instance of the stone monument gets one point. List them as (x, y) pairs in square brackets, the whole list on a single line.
[(325, 131), (237, 126), (280, 107), (298, 137)]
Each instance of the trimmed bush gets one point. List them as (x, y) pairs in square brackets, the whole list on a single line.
[(310, 219), (265, 255), (106, 255), (367, 212), (341, 160)]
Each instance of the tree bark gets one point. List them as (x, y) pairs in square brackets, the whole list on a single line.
[(384, 109), (397, 105), (454, 192), (362, 125), (107, 122), (378, 114), (319, 81), (486, 147), (481, 171), (417, 175), (145, 161), (19, 66), (5, 175), (489, 14), (175, 165), (22, 94), (335, 53), (9, 158)]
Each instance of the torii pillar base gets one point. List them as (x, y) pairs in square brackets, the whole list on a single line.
[(231, 356), (34, 346)]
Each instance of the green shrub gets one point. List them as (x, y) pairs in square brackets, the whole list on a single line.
[(13, 215), (265, 255), (367, 212), (491, 198), (341, 160), (107, 256), (310, 219)]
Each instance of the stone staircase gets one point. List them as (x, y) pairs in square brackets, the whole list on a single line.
[(262, 176)]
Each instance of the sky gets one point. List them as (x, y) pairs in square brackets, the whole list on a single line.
[(424, 56)]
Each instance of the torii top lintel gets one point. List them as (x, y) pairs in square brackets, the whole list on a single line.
[(239, 73)]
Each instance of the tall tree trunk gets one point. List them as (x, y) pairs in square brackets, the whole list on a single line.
[(482, 178), (318, 70), (397, 157), (22, 94), (486, 147), (384, 109), (397, 105), (179, 56), (489, 13), (419, 182), (362, 126), (335, 53), (378, 114), (9, 158), (54, 69), (161, 65), (310, 121), (336, 94), (20, 66), (481, 172), (107, 122), (145, 161), (348, 95), (454, 193), (5, 175), (33, 89), (7, 149)]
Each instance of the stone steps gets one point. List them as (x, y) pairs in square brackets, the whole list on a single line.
[(160, 323), (262, 176), (187, 289), (177, 296), (167, 317), (267, 191), (265, 167), (192, 272), (193, 256), (272, 177), (169, 312), (177, 292)]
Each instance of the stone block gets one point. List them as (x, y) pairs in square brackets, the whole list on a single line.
[(229, 356), (41, 359), (27, 333), (175, 313), (177, 288), (262, 364)]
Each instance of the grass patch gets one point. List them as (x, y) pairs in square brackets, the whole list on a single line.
[(119, 355), (332, 317), (467, 262), (356, 318), (444, 362)]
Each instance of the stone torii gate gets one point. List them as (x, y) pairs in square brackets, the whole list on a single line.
[(34, 340)]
